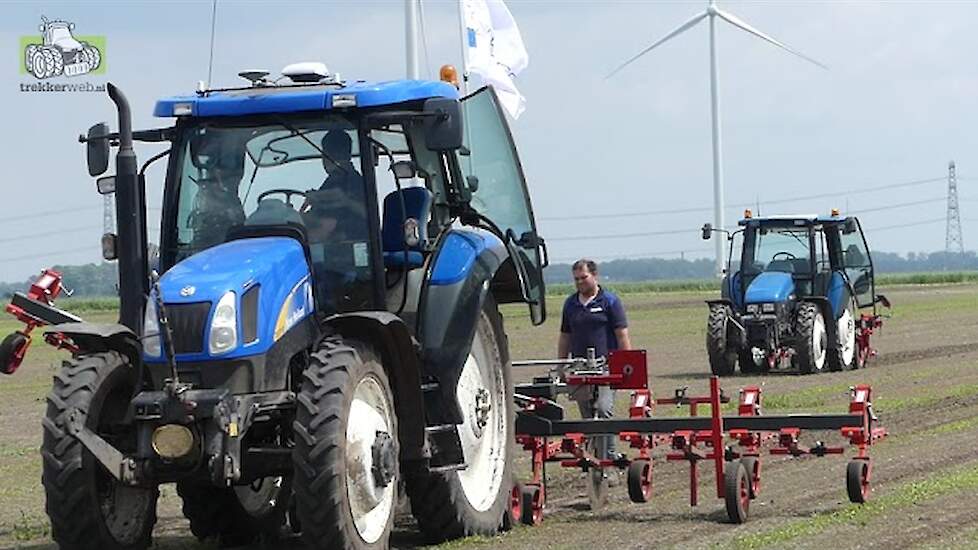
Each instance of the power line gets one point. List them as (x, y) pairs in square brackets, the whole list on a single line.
[(623, 235), (902, 225), (900, 205), (21, 217), (744, 204), (69, 251), (640, 255), (48, 233)]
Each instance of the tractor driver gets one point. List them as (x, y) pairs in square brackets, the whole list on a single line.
[(335, 217), (593, 318)]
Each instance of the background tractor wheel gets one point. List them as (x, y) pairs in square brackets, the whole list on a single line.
[(235, 516), (346, 449), (723, 358), (475, 501), (842, 351), (37, 65), (87, 507), (810, 352), (53, 62)]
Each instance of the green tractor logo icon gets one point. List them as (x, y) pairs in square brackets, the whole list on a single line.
[(60, 53)]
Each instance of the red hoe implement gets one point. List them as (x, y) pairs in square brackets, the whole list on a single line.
[(733, 443)]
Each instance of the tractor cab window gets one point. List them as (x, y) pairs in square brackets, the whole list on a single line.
[(785, 250), (303, 172), (856, 261)]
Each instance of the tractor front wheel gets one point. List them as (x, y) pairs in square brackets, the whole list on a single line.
[(89, 508), (346, 449), (475, 501), (843, 351), (810, 353), (723, 357)]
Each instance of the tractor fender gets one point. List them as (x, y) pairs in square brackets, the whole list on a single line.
[(825, 306), (460, 276), (399, 355), (99, 337)]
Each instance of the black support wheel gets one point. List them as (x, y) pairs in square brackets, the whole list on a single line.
[(475, 500), (843, 349), (531, 505), (346, 449), (723, 356), (811, 348), (736, 491), (640, 480), (235, 516), (753, 467), (857, 480), (88, 508)]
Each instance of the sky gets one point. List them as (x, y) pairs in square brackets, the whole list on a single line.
[(615, 166)]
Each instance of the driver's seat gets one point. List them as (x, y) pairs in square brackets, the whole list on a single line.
[(406, 229)]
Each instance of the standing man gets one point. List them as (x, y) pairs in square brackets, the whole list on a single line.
[(592, 318)]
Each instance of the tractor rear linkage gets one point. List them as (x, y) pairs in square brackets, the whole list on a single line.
[(733, 442)]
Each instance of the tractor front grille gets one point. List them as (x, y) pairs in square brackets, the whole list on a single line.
[(188, 323)]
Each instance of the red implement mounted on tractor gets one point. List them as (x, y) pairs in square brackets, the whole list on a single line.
[(733, 442)]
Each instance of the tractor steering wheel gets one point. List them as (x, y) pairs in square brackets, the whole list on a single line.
[(787, 256), (288, 195)]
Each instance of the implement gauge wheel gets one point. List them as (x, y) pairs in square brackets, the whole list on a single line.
[(753, 467), (857, 481), (640, 480), (531, 505), (736, 491)]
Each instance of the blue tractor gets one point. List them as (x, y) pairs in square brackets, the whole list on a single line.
[(795, 294), (320, 333)]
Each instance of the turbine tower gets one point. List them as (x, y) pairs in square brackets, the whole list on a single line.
[(713, 12), (953, 242)]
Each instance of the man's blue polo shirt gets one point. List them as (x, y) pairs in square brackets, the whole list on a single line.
[(593, 325)]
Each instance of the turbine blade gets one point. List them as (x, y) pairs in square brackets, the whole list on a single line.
[(741, 24), (679, 30)]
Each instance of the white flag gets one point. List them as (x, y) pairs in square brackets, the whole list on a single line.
[(494, 49)]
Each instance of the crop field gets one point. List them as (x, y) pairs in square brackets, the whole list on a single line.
[(925, 478)]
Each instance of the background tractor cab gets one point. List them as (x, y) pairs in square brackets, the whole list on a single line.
[(792, 294), (324, 323)]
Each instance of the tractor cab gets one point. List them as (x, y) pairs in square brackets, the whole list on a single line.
[(322, 329), (781, 266)]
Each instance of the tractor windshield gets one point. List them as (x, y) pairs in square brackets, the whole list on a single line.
[(786, 250), (304, 172)]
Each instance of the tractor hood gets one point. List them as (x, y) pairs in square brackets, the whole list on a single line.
[(770, 286), (269, 277)]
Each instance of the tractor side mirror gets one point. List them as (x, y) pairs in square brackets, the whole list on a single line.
[(861, 286), (97, 147), (707, 231), (443, 124), (105, 185)]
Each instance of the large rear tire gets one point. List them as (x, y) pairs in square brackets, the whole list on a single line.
[(87, 507), (346, 449), (475, 501), (810, 352), (723, 357), (843, 351)]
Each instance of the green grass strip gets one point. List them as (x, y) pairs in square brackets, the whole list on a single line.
[(905, 495)]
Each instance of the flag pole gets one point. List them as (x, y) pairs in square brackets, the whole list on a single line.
[(463, 37)]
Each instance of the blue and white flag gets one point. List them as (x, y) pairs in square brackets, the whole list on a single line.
[(494, 49)]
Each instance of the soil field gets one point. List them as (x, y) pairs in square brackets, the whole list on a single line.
[(925, 386)]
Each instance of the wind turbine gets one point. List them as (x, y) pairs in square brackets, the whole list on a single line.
[(713, 12)]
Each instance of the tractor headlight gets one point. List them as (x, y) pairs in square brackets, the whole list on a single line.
[(767, 308), (224, 326), (753, 309), (151, 330)]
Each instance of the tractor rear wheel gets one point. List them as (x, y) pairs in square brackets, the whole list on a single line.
[(723, 358), (89, 508), (235, 516), (810, 351), (843, 349), (475, 501), (346, 449)]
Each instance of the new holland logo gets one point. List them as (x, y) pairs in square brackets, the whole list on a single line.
[(188, 291), (58, 52)]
